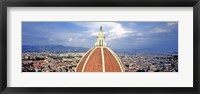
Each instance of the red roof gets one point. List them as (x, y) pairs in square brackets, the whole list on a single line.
[(36, 65), (100, 59)]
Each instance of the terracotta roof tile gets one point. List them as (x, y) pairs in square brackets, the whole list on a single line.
[(95, 61)]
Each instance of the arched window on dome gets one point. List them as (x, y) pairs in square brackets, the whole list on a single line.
[(99, 42)]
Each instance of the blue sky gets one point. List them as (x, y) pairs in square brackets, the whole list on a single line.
[(119, 35)]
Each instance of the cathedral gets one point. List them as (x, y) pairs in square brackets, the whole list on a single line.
[(100, 58)]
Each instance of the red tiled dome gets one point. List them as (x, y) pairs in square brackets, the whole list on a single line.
[(100, 59)]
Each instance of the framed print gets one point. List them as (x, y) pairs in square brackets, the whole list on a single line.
[(104, 46)]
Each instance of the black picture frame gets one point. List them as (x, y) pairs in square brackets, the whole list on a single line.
[(98, 3)]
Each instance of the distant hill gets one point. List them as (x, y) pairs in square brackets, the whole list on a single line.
[(147, 51), (63, 49), (52, 48)]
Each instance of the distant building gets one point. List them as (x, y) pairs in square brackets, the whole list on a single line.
[(100, 58)]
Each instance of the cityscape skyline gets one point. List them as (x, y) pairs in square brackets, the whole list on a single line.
[(50, 56), (119, 35)]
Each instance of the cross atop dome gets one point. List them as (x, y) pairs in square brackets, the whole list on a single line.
[(100, 38), (101, 28)]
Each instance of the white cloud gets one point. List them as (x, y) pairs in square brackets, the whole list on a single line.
[(171, 23), (51, 39), (159, 29), (166, 28), (70, 39), (112, 30)]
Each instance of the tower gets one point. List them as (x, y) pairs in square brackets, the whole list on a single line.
[(100, 39)]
